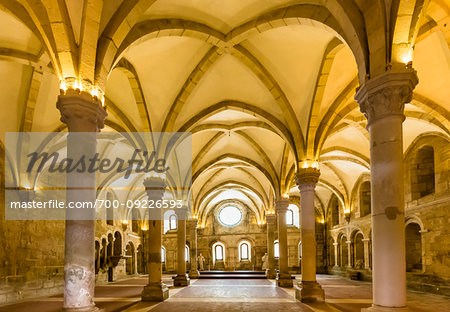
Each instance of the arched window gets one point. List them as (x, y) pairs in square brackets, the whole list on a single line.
[(186, 253), (163, 254), (244, 251), (276, 249), (334, 206), (170, 221), (364, 199), (218, 252), (413, 247), (173, 222), (422, 173), (289, 217), (230, 216)]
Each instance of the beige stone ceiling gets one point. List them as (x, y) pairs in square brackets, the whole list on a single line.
[(257, 99)]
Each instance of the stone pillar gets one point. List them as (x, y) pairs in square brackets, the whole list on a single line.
[(366, 253), (308, 290), (155, 290), (349, 254), (284, 279), (82, 113), (382, 101), (181, 279), (335, 254), (271, 221), (192, 226)]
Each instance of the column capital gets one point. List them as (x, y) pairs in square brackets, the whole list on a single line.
[(155, 187), (81, 111), (387, 94), (307, 178), (282, 205)]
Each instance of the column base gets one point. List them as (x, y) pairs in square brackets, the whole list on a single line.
[(377, 308), (194, 274), (284, 280), (309, 292), (181, 280), (155, 292), (85, 309), (271, 273)]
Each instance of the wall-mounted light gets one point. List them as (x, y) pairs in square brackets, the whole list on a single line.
[(144, 228), (124, 221), (322, 221)]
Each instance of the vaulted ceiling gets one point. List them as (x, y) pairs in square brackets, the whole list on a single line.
[(263, 86)]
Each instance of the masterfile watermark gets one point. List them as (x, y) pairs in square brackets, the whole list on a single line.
[(60, 176)]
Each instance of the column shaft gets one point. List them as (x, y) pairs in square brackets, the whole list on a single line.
[(193, 272), (84, 116), (366, 254), (155, 290), (284, 278), (335, 254), (271, 272), (181, 279), (308, 290)]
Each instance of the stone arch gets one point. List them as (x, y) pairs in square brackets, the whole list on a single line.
[(357, 251), (413, 242)]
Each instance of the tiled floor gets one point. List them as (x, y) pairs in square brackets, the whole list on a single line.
[(234, 295)]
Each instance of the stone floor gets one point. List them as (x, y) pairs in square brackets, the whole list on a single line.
[(234, 295)]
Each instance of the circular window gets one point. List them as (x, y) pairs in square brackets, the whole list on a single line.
[(230, 216)]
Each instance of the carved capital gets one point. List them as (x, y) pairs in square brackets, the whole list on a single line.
[(387, 94), (307, 178), (81, 111), (282, 205)]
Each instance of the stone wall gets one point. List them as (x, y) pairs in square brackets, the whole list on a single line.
[(427, 208)]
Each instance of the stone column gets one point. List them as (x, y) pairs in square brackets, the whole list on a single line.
[(155, 290), (382, 101), (271, 220), (335, 254), (192, 226), (366, 253), (284, 279), (181, 279), (349, 254), (82, 113), (308, 290)]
